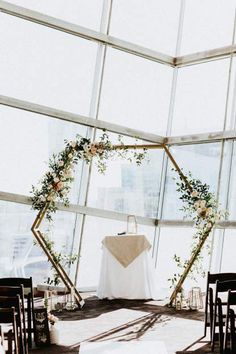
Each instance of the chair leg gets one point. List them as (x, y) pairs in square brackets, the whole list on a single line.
[(232, 333), (16, 338), (29, 319)]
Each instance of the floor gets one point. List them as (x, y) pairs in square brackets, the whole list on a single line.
[(127, 321)]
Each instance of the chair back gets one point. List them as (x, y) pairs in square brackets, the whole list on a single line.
[(225, 286), (26, 282), (7, 315), (231, 297), (230, 322), (212, 278)]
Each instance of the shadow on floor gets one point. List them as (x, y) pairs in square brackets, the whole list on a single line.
[(94, 307)]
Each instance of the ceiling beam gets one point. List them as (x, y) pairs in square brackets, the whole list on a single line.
[(201, 57), (85, 33), (201, 138), (79, 119)]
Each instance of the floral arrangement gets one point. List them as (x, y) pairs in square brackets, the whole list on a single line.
[(52, 319), (55, 184), (202, 207)]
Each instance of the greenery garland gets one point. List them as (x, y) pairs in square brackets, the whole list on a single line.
[(202, 207), (56, 183)]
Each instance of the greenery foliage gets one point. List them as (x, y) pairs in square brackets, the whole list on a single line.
[(56, 183), (200, 205)]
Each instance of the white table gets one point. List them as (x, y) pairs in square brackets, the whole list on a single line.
[(135, 281)]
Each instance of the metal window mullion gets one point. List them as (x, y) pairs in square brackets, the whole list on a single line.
[(229, 159), (168, 132), (94, 107)]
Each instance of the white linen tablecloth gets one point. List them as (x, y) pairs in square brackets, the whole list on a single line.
[(136, 281)]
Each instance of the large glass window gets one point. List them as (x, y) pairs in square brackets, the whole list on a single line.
[(207, 25), (232, 191), (152, 24), (194, 159), (45, 66), (81, 12), (25, 150), (136, 92), (201, 98), (177, 241), (228, 262), (126, 187), (19, 256)]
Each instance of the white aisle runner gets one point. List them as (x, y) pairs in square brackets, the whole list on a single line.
[(133, 347)]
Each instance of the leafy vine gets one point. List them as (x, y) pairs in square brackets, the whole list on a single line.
[(201, 206), (56, 183)]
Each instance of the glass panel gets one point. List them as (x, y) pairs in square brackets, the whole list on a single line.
[(201, 98), (18, 256), (126, 187), (176, 241), (65, 235), (136, 92), (192, 158), (28, 147), (46, 67), (82, 12), (152, 24), (207, 25), (91, 253), (232, 191), (228, 259)]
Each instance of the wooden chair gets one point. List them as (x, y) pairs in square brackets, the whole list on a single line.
[(209, 302), (29, 295), (9, 302), (8, 316), (218, 315), (230, 323), (13, 291)]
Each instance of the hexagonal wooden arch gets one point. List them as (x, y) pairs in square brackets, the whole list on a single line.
[(60, 270)]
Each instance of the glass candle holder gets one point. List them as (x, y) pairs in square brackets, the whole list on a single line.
[(71, 305), (131, 224), (195, 298)]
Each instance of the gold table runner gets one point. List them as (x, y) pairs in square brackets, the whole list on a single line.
[(126, 248)]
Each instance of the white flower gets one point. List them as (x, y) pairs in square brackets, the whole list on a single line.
[(42, 198), (61, 163), (56, 180), (61, 173), (209, 211), (73, 144), (202, 203), (70, 156), (197, 204), (194, 194), (86, 147), (199, 210)]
